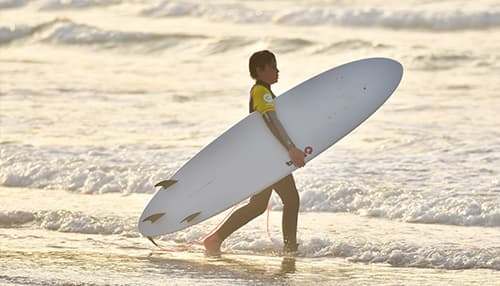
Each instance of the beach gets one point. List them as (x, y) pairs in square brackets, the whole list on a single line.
[(100, 100), (87, 244)]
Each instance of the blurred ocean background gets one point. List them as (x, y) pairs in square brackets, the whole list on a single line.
[(99, 100)]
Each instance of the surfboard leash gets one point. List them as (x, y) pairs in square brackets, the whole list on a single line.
[(201, 239)]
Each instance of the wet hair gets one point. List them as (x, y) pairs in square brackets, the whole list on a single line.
[(259, 60)]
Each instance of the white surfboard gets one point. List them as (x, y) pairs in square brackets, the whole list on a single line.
[(247, 158)]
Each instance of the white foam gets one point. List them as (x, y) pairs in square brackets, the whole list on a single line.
[(79, 170), (12, 3), (416, 207), (8, 34), (100, 170), (15, 218), (355, 238), (402, 18), (77, 4), (64, 31), (438, 17), (220, 12), (374, 241), (82, 34), (66, 221)]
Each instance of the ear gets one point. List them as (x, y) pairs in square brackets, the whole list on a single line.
[(260, 70)]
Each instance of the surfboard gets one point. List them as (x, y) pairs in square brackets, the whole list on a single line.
[(247, 158)]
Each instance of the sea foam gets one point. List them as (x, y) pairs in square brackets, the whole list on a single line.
[(100, 170), (397, 19), (401, 18)]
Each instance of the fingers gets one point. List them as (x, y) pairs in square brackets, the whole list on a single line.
[(297, 156), (299, 162)]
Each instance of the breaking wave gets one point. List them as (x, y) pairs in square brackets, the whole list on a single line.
[(99, 170), (67, 221), (65, 31), (357, 248), (438, 19), (456, 19)]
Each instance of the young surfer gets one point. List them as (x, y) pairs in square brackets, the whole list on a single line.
[(263, 68)]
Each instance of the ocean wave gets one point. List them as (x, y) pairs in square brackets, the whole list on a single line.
[(398, 19), (67, 221), (77, 4), (445, 60), (7, 4), (90, 171), (436, 19), (414, 207), (226, 44), (350, 45), (357, 248), (80, 34), (279, 44), (100, 170), (356, 244), (285, 45), (401, 254), (221, 12), (60, 4), (9, 34), (64, 31), (456, 19)]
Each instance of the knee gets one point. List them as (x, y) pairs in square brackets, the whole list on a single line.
[(256, 208), (261, 209)]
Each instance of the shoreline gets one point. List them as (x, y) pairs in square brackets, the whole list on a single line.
[(63, 266), (338, 248)]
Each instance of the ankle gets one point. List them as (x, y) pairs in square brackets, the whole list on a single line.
[(214, 238), (291, 247), (212, 243)]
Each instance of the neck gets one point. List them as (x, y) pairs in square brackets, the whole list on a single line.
[(261, 82), (266, 85)]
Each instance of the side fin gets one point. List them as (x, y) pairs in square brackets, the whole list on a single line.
[(190, 217), (166, 183), (153, 218), (154, 242)]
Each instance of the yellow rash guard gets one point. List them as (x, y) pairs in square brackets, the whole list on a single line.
[(261, 98)]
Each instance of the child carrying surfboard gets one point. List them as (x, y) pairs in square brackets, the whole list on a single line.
[(263, 68)]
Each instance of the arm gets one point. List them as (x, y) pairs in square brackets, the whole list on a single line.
[(272, 121), (279, 132)]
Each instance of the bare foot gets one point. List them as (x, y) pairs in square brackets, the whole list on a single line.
[(212, 245)]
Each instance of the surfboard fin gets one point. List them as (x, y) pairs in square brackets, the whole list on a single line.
[(154, 242), (166, 183), (153, 218), (190, 217)]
